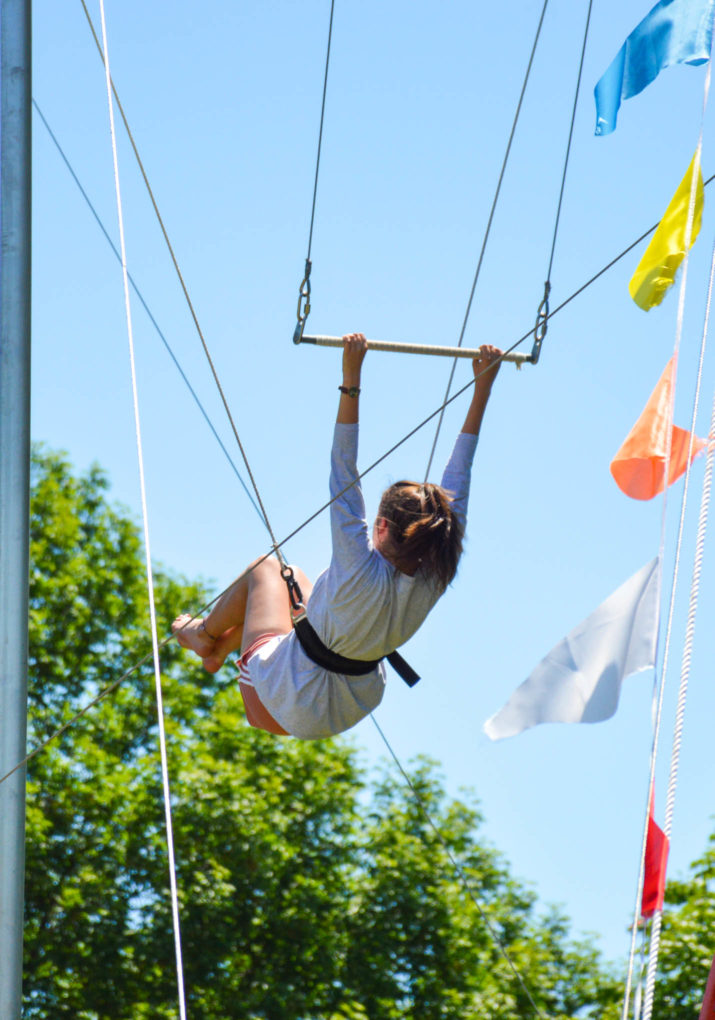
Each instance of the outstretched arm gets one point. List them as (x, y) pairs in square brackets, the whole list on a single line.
[(485, 369), (354, 351)]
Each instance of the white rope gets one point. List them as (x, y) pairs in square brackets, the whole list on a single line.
[(638, 997), (659, 685), (687, 648), (147, 548)]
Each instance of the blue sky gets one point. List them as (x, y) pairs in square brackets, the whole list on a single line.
[(224, 105)]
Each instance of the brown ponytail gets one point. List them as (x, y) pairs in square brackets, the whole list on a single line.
[(424, 533)]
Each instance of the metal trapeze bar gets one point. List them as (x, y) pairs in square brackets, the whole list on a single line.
[(399, 348)]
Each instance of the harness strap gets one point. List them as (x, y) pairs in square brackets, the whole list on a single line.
[(403, 668), (323, 656)]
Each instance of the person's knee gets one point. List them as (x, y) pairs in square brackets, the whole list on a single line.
[(268, 572), (267, 604), (262, 569)]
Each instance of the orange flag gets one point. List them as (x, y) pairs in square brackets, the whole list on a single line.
[(639, 466)]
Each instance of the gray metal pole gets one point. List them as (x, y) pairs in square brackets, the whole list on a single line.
[(15, 175)]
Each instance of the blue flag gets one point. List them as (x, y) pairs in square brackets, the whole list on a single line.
[(674, 32)]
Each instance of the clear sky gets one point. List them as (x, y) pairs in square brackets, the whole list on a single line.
[(224, 102)]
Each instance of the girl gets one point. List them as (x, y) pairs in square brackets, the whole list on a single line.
[(375, 594)]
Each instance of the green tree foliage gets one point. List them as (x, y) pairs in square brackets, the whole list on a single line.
[(309, 891)]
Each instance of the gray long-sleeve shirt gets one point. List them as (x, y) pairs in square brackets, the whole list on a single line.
[(361, 607)]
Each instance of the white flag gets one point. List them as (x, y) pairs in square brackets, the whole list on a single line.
[(580, 679)]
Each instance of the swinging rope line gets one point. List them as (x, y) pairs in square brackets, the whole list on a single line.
[(642, 963), (145, 519), (361, 475), (459, 871), (303, 310), (568, 146), (107, 690), (320, 133), (488, 230), (186, 295), (114, 684), (75, 718), (542, 315), (659, 687), (146, 308)]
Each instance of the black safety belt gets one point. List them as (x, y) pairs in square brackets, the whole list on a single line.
[(321, 655)]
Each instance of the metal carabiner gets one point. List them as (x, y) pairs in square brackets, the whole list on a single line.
[(303, 303), (541, 325), (297, 609)]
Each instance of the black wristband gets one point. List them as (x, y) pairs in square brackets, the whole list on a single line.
[(349, 391)]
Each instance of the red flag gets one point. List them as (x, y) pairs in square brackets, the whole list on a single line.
[(639, 466), (656, 860), (707, 1010)]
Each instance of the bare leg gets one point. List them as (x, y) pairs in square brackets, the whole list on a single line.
[(268, 605), (266, 610), (255, 604), (230, 641), (230, 609), (226, 617)]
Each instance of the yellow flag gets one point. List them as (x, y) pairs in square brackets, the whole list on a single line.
[(656, 270)]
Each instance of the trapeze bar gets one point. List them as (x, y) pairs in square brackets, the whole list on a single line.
[(386, 345)]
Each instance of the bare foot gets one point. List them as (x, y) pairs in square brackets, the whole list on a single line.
[(229, 641), (191, 634), (212, 663)]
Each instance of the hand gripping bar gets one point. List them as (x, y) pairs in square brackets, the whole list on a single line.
[(399, 348)]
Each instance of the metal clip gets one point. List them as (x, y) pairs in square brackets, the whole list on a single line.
[(303, 303), (297, 609), (541, 325)]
